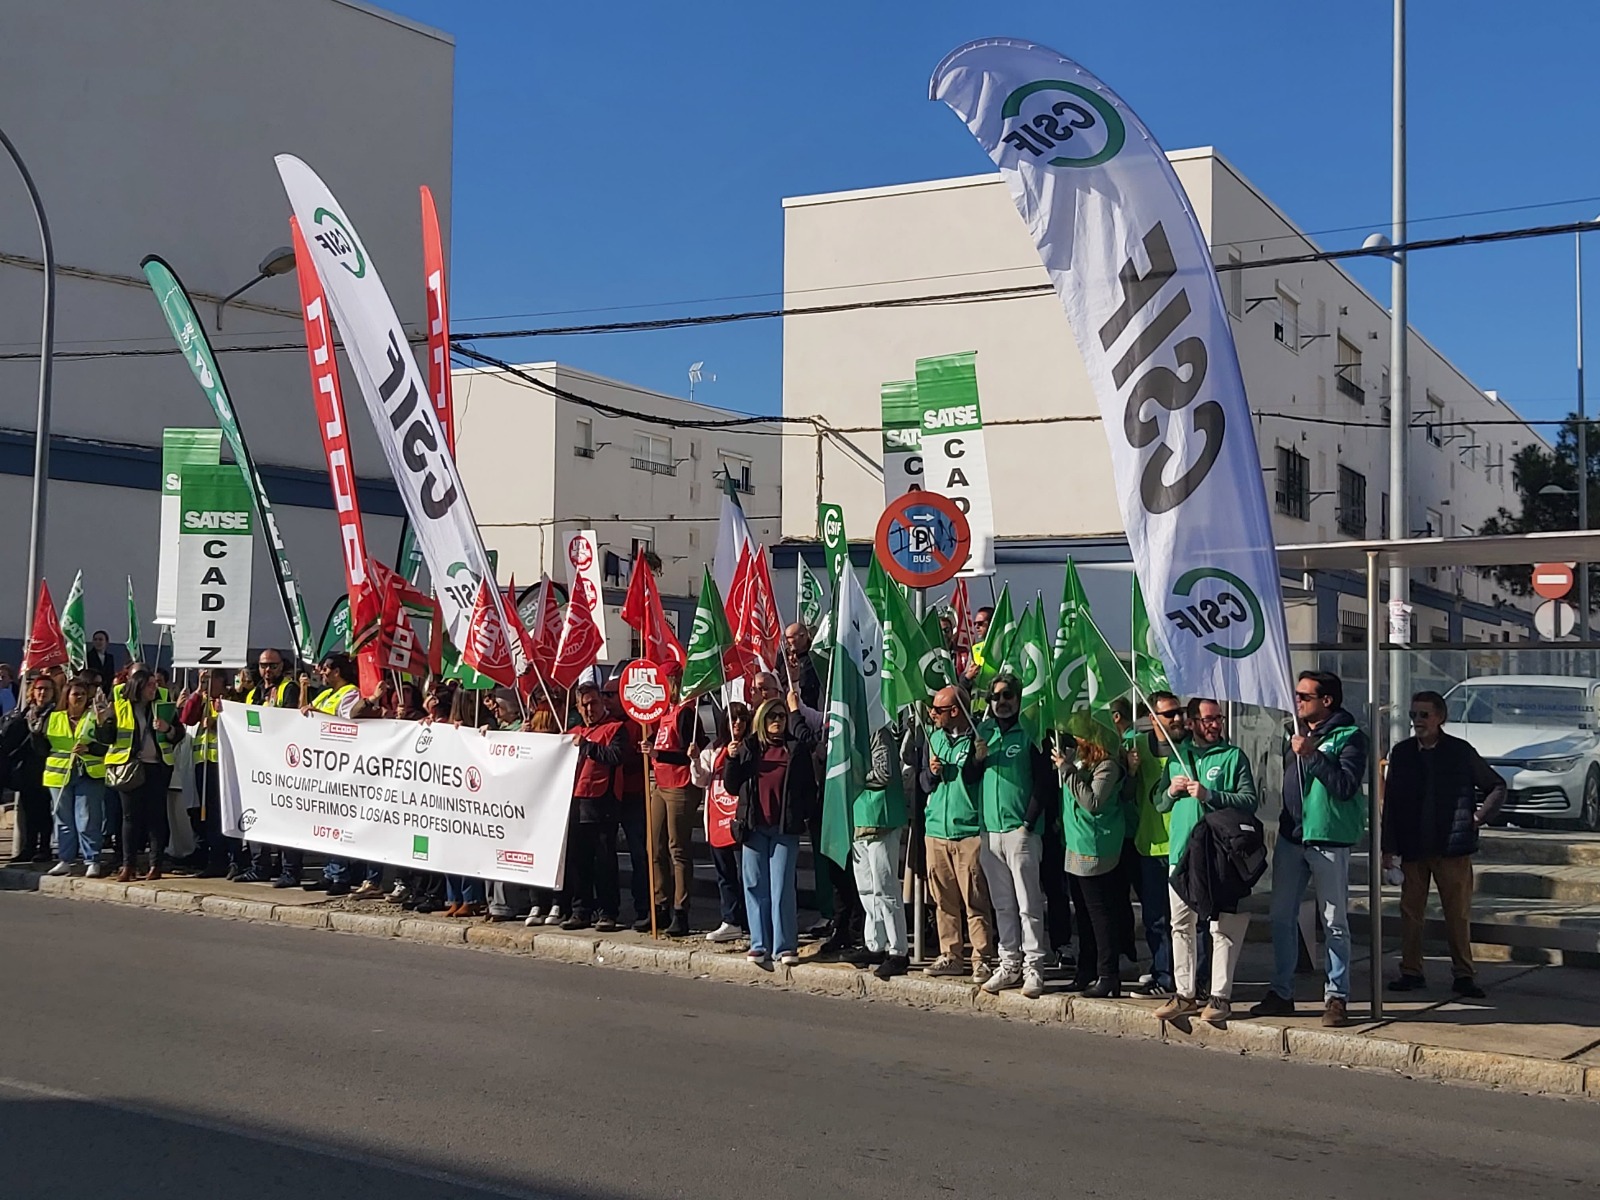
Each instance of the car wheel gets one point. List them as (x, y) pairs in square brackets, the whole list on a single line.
[(1589, 815)]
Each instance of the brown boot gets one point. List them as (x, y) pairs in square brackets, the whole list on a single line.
[(1334, 1015), (125, 875), (153, 873)]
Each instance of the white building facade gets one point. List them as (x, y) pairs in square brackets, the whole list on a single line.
[(152, 129), (640, 468), (1313, 347)]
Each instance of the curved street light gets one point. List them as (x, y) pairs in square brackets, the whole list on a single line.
[(41, 438)]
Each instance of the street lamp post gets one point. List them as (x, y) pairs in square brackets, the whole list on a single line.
[(41, 437)]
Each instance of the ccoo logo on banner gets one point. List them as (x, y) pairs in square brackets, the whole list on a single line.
[(215, 548)]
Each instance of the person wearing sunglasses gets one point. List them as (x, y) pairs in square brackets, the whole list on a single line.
[(953, 837), (1324, 814), (1018, 781), (1148, 755), (1222, 779), (1432, 812)]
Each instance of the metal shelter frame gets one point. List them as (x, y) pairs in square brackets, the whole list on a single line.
[(1370, 559)]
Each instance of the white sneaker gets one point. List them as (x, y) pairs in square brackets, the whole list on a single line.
[(945, 965), (789, 958), (536, 917), (725, 933), (61, 868), (1006, 975), (553, 917), (1032, 983), (95, 871), (398, 893)]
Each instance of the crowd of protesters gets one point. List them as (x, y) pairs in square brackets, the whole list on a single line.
[(1032, 854)]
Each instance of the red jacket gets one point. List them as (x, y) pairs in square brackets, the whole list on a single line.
[(597, 786)]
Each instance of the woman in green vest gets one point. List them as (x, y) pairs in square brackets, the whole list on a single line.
[(74, 740), (1095, 815), (142, 755)]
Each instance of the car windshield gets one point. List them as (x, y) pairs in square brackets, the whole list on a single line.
[(1520, 704)]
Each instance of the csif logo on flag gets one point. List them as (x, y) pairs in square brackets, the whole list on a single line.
[(1220, 611), (1062, 124), (334, 236)]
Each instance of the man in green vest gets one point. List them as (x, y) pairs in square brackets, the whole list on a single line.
[(1324, 814), (1147, 756), (1017, 783), (1221, 779), (953, 836), (879, 819)]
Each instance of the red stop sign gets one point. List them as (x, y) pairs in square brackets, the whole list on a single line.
[(1552, 580)]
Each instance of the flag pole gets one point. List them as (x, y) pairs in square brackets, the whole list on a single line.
[(1155, 724), (649, 825)]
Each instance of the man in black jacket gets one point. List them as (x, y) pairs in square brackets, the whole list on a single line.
[(100, 662), (1431, 815)]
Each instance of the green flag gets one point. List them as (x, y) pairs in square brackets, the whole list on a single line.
[(1148, 670), (941, 669), (991, 653), (835, 546), (709, 640), (72, 627), (908, 660), (857, 656), (336, 629), (1028, 658), (808, 602), (1085, 673), (135, 639)]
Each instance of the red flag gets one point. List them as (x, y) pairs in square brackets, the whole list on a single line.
[(580, 641), (546, 629), (487, 650), (365, 601), (46, 647), (757, 627), (965, 634), (529, 679), (397, 647), (642, 610), (438, 321)]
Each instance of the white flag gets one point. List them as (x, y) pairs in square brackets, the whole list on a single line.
[(1131, 266), (733, 535), (398, 401), (860, 639)]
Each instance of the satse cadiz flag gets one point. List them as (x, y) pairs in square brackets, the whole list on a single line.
[(398, 403), (1132, 269)]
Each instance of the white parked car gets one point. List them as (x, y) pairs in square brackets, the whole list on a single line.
[(1542, 734)]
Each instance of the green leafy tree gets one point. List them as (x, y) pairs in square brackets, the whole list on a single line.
[(1534, 469)]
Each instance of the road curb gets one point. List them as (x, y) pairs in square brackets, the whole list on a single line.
[(685, 959)]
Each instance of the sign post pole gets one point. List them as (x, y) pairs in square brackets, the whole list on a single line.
[(644, 699)]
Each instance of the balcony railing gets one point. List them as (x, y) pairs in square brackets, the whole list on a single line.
[(1345, 384), (583, 451), (654, 466)]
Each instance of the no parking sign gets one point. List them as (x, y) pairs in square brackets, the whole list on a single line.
[(923, 539)]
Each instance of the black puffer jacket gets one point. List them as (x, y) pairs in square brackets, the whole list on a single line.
[(1422, 822), (1223, 859)]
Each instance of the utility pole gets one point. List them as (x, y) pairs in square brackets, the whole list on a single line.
[(1583, 446), (1399, 397)]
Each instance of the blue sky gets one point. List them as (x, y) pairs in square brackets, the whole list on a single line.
[(628, 160)]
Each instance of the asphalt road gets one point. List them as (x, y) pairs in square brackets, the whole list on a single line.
[(145, 1054)]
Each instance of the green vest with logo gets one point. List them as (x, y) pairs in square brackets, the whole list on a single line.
[(1007, 778), (1325, 819), (1221, 767), (1095, 835), (64, 738), (1152, 829), (953, 810)]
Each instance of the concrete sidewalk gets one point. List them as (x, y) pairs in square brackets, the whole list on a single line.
[(1538, 1030)]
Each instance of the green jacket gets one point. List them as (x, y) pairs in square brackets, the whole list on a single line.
[(953, 810), (1152, 824), (1094, 814), (1016, 779), (1225, 772), (1330, 785)]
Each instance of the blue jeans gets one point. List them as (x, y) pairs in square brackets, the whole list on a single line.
[(79, 812), (1327, 868), (769, 862), (458, 890), (730, 892), (1151, 873)]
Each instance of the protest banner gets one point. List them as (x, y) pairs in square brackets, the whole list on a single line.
[(431, 797)]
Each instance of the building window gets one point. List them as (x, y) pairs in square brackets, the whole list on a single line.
[(1347, 372), (1435, 421), (1233, 285), (644, 538), (1352, 629), (1469, 450), (1383, 510), (583, 443), (1286, 328), (1352, 502), (739, 469), (1294, 483), (653, 453)]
